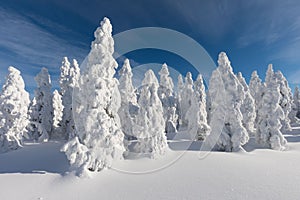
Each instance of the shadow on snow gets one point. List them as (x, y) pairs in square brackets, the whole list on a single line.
[(35, 159)]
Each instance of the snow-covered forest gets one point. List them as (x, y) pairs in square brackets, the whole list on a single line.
[(101, 119)]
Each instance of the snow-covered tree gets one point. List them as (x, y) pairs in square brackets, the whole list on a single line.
[(57, 115), (166, 95), (186, 98), (295, 112), (255, 89), (149, 124), (247, 107), (255, 86), (201, 97), (42, 110), (68, 81), (99, 139), (296, 98), (128, 107), (285, 102), (242, 81), (196, 115), (227, 96), (180, 87), (33, 114), (270, 114), (208, 107), (14, 102), (180, 84)]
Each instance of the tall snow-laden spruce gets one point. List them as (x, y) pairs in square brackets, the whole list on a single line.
[(14, 102), (247, 107), (166, 95), (42, 109), (285, 102), (33, 114), (208, 107), (227, 96), (96, 101), (149, 125), (295, 112), (196, 115), (270, 114), (255, 89), (57, 116), (129, 106), (180, 87), (255, 85), (69, 76), (186, 99)]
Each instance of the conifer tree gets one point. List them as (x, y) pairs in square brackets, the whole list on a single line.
[(227, 96), (99, 138), (14, 102), (295, 113), (149, 124), (166, 95), (247, 107), (42, 109), (69, 76), (270, 114)]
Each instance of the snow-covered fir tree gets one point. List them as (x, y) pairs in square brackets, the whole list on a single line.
[(14, 102), (186, 98), (295, 112), (128, 107), (208, 107), (149, 124), (180, 84), (285, 102), (255, 85), (270, 114), (99, 138), (255, 89), (227, 96), (196, 115), (57, 116), (68, 81), (166, 95), (33, 114), (242, 81), (180, 87), (247, 107), (42, 109)]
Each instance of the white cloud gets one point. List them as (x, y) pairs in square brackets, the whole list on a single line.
[(268, 24), (30, 47), (294, 77), (27, 40), (212, 19)]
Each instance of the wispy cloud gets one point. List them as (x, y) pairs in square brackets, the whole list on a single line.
[(207, 19), (245, 23), (294, 78), (30, 47), (268, 23)]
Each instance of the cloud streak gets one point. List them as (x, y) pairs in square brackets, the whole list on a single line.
[(30, 47), (267, 23)]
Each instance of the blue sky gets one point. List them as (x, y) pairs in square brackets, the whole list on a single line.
[(38, 33)]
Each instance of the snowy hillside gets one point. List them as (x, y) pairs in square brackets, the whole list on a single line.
[(40, 171)]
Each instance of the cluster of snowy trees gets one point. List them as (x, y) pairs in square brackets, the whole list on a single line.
[(47, 116), (102, 117)]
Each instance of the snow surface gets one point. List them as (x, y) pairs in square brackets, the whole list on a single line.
[(40, 171)]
